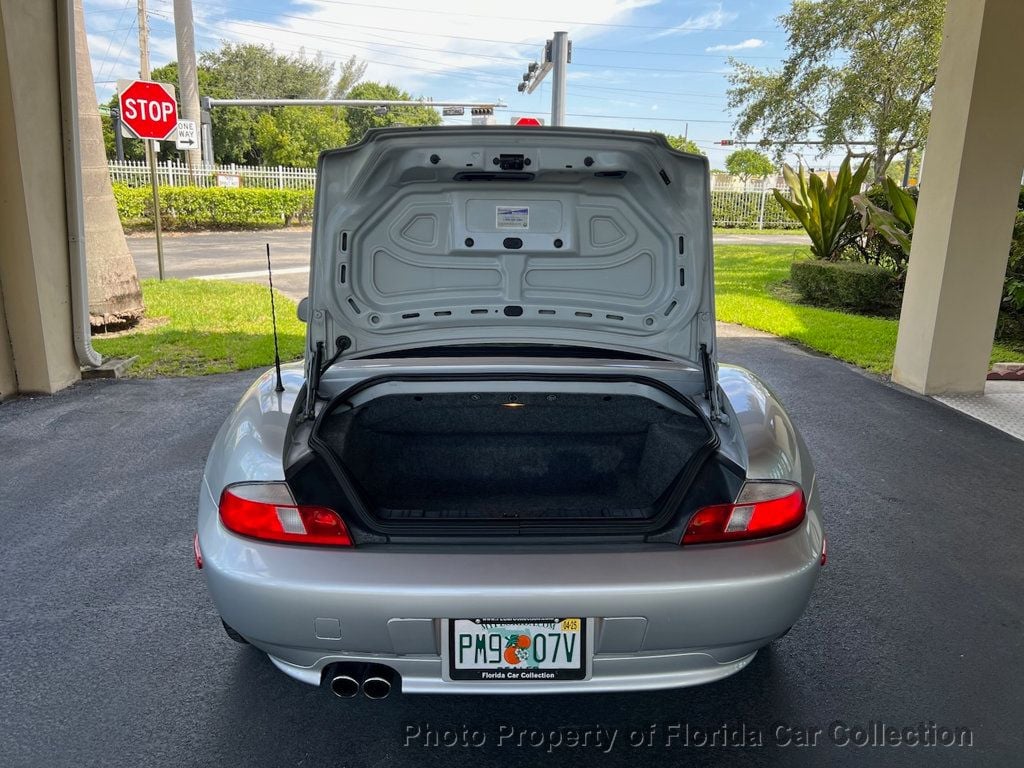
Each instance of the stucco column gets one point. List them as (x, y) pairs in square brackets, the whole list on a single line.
[(968, 200), (36, 348)]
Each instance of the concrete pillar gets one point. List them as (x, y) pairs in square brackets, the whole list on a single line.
[(36, 347), (968, 199)]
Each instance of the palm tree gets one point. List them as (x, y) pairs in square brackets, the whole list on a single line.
[(115, 298)]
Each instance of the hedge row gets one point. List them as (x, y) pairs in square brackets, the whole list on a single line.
[(846, 284), (187, 208)]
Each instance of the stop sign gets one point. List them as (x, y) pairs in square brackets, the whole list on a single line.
[(148, 109), (527, 121)]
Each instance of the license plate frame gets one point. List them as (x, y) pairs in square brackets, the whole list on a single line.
[(505, 673)]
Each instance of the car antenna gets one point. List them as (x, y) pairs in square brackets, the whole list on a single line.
[(273, 321)]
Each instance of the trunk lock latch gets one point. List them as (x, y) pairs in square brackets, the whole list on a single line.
[(511, 162)]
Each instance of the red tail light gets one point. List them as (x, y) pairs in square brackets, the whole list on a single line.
[(762, 509), (267, 511)]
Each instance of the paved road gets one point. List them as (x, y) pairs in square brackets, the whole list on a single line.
[(242, 255), (112, 655)]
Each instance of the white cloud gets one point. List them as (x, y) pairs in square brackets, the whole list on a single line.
[(411, 47), (746, 45), (713, 19)]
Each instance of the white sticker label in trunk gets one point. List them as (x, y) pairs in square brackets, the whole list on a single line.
[(512, 217)]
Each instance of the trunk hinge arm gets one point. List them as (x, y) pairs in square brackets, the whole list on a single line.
[(711, 386)]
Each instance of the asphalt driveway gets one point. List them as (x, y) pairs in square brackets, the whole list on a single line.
[(113, 656), (243, 256)]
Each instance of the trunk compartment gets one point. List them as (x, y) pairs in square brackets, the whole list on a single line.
[(508, 456)]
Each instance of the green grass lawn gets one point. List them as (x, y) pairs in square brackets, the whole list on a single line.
[(754, 231), (205, 326), (743, 275)]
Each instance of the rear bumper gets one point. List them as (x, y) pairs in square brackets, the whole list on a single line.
[(610, 673), (663, 616)]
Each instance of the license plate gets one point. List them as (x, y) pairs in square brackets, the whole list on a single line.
[(517, 649)]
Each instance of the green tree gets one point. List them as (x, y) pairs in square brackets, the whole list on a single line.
[(251, 71), (749, 164), (296, 135), (362, 119), (856, 70), (349, 74), (895, 170), (683, 144), (246, 135)]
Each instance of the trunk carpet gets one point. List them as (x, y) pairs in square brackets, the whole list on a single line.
[(533, 455)]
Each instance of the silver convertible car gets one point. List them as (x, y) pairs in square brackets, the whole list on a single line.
[(510, 461)]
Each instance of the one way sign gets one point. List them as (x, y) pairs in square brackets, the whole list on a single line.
[(187, 137)]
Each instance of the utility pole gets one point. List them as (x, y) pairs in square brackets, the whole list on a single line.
[(559, 60), (151, 146), (143, 25), (188, 77), (557, 55)]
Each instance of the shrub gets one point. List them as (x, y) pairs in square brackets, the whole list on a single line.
[(846, 284), (133, 203), (873, 247), (824, 208), (1013, 286), (190, 208)]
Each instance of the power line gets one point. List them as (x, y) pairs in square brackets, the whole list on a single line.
[(110, 40), (420, 33), (488, 78), (684, 94), (367, 43), (564, 22), (736, 54), (629, 117)]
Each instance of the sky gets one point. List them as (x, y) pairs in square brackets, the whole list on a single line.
[(648, 65)]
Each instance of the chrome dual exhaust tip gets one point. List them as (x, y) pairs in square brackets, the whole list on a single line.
[(344, 686), (376, 687), (346, 680)]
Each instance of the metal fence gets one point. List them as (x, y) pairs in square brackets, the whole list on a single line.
[(751, 208), (733, 204), (135, 173)]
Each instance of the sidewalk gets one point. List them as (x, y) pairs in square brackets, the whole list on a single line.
[(1002, 406)]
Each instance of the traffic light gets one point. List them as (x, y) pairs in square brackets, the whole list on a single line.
[(481, 111), (725, 142)]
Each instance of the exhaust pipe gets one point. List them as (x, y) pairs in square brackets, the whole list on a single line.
[(346, 679), (344, 686), (343, 679), (379, 681)]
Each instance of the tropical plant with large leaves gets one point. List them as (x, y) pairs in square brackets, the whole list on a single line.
[(824, 207), (895, 225)]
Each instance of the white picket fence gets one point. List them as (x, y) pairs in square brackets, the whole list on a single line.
[(733, 203), (135, 173)]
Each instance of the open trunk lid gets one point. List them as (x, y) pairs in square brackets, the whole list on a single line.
[(489, 235)]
